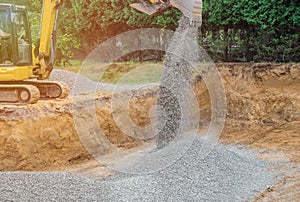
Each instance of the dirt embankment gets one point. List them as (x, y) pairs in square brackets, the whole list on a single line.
[(42, 133), (263, 107), (43, 136), (263, 111)]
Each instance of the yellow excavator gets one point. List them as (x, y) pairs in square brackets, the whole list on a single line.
[(23, 67)]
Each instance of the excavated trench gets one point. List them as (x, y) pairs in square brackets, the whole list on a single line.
[(263, 113)]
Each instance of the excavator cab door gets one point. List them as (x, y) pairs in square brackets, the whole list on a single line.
[(23, 37)]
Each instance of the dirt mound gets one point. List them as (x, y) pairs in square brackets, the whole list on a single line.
[(43, 136)]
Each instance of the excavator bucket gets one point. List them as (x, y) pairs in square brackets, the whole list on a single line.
[(150, 9), (4, 34), (190, 8)]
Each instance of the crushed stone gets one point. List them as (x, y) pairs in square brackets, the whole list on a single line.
[(226, 173)]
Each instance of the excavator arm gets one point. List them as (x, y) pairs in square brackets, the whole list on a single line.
[(48, 34)]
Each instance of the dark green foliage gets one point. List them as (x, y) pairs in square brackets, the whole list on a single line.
[(240, 30), (98, 20), (261, 30), (233, 30)]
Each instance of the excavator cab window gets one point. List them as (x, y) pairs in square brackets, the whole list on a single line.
[(6, 39), (15, 40)]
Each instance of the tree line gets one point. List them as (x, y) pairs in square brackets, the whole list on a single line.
[(232, 30)]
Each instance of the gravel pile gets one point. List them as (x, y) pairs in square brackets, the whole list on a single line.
[(83, 84), (224, 174)]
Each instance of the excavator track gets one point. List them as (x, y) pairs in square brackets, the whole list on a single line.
[(50, 89), (29, 92), (18, 94)]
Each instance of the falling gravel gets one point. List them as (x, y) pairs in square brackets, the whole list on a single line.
[(174, 101)]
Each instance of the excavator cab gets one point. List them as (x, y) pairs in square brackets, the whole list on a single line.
[(15, 37)]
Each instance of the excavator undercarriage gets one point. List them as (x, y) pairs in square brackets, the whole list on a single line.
[(29, 92)]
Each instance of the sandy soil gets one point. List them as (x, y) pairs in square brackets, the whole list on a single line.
[(263, 113), (263, 104)]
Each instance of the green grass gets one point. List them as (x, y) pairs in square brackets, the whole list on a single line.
[(142, 74), (117, 73), (72, 66)]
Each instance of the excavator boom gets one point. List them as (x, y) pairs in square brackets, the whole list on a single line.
[(48, 35)]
